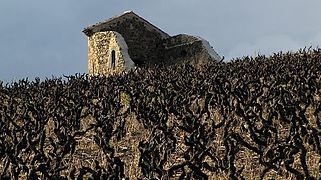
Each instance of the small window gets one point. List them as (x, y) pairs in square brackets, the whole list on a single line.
[(113, 59)]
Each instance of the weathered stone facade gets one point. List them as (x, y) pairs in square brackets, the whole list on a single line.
[(147, 45), (107, 54)]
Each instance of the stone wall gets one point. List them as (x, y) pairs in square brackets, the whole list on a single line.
[(176, 49), (182, 48), (100, 49), (179, 40)]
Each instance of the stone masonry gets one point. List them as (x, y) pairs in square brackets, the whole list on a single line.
[(120, 43), (100, 50)]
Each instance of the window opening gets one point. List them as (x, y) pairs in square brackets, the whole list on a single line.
[(113, 59)]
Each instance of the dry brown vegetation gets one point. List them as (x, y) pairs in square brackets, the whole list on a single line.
[(252, 118)]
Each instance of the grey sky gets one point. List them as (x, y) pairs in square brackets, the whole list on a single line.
[(43, 38)]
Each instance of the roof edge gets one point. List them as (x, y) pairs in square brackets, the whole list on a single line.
[(88, 30)]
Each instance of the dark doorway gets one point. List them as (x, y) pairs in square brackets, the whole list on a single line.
[(113, 59)]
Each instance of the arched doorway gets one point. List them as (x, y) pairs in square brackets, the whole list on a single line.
[(113, 59)]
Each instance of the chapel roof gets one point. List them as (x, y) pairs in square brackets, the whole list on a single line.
[(127, 14)]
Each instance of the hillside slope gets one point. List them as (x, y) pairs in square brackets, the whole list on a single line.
[(250, 118)]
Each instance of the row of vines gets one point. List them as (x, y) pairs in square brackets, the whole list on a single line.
[(251, 118)]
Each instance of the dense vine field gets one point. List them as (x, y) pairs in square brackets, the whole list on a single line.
[(251, 118)]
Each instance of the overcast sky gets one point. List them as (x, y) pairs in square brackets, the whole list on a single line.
[(43, 38)]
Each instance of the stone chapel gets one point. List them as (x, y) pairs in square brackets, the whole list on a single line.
[(125, 41)]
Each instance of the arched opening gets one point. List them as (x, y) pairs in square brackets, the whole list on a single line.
[(113, 59)]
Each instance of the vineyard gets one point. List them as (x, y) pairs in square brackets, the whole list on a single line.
[(251, 118)]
